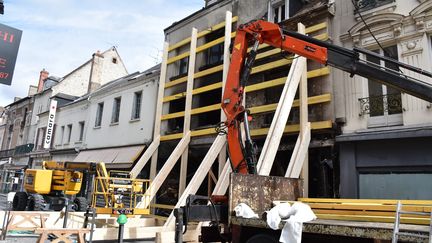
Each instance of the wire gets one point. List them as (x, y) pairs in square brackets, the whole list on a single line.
[(370, 31)]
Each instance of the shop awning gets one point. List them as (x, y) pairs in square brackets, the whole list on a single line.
[(122, 157)]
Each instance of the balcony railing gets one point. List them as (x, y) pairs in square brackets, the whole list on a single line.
[(7, 153), (381, 105), (364, 5), (23, 149)]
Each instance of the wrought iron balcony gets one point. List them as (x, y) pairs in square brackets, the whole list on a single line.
[(381, 105), (364, 5)]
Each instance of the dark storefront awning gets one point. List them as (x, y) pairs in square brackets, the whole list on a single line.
[(122, 157)]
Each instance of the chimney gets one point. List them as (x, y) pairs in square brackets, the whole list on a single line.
[(32, 90), (95, 72), (42, 77)]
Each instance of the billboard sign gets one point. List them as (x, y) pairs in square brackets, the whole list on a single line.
[(10, 39), (50, 127)]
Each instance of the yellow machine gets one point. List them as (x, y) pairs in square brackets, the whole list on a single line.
[(57, 183)]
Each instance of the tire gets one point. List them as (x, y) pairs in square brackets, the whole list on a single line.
[(262, 238), (19, 202), (36, 203), (80, 204)]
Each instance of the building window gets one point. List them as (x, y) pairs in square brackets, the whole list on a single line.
[(183, 66), (99, 113), (136, 110), (114, 60), (81, 131), (385, 102), (62, 134), (69, 133), (216, 52), (116, 110), (279, 10)]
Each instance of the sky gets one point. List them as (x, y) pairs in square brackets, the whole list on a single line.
[(60, 35)]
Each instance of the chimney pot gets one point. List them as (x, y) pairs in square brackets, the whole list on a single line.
[(42, 77)]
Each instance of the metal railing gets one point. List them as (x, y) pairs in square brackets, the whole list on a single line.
[(380, 105), (114, 195), (364, 5)]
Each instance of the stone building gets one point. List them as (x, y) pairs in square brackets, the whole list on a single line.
[(384, 146), (102, 68)]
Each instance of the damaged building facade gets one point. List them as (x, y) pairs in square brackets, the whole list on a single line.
[(215, 28), (360, 139)]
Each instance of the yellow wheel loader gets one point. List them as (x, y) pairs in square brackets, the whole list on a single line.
[(49, 188)]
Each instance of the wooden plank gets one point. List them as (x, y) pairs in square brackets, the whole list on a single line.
[(159, 104), (197, 75), (201, 48), (301, 158), (363, 201), (134, 172), (315, 28), (255, 132), (226, 63), (270, 65), (193, 112), (271, 107), (302, 147), (163, 206), (367, 213), (265, 84), (194, 92), (385, 219), (165, 170), (188, 107), (322, 37), (280, 118), (254, 110), (318, 72), (198, 177), (201, 34), (369, 207)]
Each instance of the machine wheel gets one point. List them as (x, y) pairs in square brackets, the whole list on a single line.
[(19, 202), (36, 203), (262, 238), (80, 204)]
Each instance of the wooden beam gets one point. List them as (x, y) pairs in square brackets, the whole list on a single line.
[(271, 65), (134, 172), (165, 170), (319, 99), (280, 118), (197, 75), (201, 48), (366, 201), (159, 104), (300, 153), (255, 132), (301, 157), (367, 218), (226, 63), (188, 107), (198, 177), (315, 28), (201, 34)]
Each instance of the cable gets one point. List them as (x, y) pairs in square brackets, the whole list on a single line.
[(370, 31)]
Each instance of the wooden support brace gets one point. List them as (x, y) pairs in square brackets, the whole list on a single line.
[(299, 154), (159, 104), (165, 170), (280, 118), (188, 107), (145, 158), (198, 178)]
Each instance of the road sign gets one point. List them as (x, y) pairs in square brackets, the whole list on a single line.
[(10, 39)]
